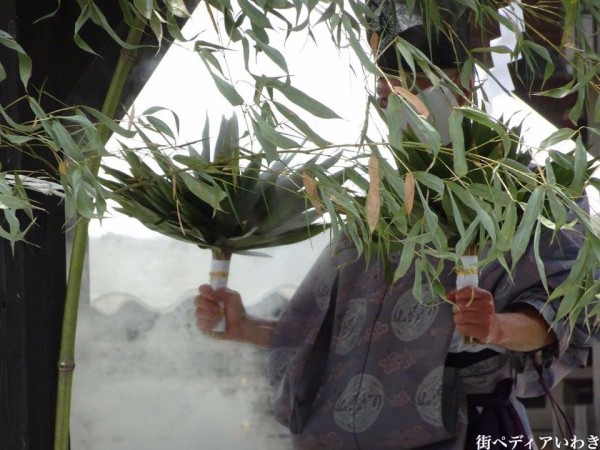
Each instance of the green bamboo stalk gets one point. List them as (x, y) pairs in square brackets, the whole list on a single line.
[(66, 363)]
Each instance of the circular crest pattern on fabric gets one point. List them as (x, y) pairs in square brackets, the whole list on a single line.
[(359, 405), (279, 360), (428, 398), (352, 325), (410, 319), (322, 290)]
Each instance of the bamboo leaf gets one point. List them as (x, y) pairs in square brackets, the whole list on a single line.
[(157, 109), (466, 73), (458, 143), (65, 141), (430, 180), (208, 57), (409, 191), (311, 192), (301, 99), (407, 255), (256, 16), (466, 241), (570, 290), (373, 206), (357, 46), (456, 213), (98, 18), (50, 14), (14, 235), (108, 122), (394, 116), (577, 109), (486, 120), (301, 125), (580, 166), (144, 7), (374, 44), (269, 149), (160, 126), (560, 92), (543, 53), (272, 135), (558, 210), (571, 7), (272, 53), (528, 221), (412, 100), (427, 133), (208, 194), (490, 194), (390, 178), (406, 54), (84, 16), (177, 8), (507, 232), (226, 89), (206, 140), (227, 140), (561, 135), (432, 224), (16, 139), (536, 252), (200, 44), (24, 60), (500, 49), (472, 202)]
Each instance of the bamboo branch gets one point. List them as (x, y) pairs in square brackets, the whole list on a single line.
[(66, 364)]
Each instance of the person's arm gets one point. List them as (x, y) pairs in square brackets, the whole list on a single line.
[(240, 326), (475, 316), (258, 331)]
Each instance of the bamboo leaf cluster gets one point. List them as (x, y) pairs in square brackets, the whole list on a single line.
[(233, 200), (253, 24), (442, 201), (486, 195)]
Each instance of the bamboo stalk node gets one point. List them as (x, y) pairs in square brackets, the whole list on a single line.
[(66, 367), (127, 54)]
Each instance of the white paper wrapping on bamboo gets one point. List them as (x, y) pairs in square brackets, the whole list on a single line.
[(466, 273), (219, 274)]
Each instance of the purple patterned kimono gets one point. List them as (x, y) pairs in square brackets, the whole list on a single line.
[(360, 364)]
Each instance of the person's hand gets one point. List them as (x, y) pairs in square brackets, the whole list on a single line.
[(209, 312), (475, 314)]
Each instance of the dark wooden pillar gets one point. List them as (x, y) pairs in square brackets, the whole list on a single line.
[(33, 276), (32, 283)]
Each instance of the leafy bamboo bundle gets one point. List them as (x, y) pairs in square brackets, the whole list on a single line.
[(234, 202), (482, 195), (485, 195)]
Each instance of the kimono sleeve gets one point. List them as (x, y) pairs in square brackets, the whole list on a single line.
[(572, 349), (296, 331)]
